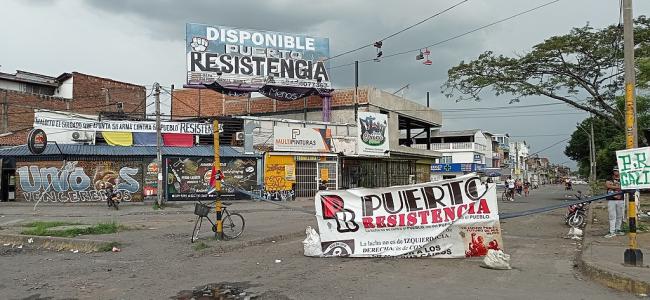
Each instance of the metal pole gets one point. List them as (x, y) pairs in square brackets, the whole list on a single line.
[(159, 192), (356, 90), (633, 255)]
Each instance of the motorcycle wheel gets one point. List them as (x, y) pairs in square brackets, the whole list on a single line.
[(577, 220)]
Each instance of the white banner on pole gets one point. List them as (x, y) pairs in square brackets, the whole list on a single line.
[(445, 219)]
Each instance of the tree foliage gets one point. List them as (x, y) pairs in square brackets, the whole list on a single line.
[(583, 68), (608, 139)]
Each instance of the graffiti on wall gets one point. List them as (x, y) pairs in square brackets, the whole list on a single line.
[(77, 181)]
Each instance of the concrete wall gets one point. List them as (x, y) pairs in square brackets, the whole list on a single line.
[(65, 89)]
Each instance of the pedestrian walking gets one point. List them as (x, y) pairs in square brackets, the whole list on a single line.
[(519, 186), (615, 205), (526, 188)]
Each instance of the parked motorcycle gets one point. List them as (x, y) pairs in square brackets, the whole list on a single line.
[(576, 215)]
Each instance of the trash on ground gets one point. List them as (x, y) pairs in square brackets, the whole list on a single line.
[(277, 261), (115, 249), (311, 244), (20, 246), (30, 240), (575, 233), (497, 260)]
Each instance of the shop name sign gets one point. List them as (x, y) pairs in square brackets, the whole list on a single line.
[(634, 168), (302, 139), (450, 218), (124, 126), (234, 55)]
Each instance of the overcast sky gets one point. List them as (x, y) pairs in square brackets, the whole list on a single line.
[(143, 42)]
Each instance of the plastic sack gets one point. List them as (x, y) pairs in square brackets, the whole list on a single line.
[(312, 243), (496, 259), (574, 233)]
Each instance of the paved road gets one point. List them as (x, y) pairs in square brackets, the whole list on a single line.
[(160, 266)]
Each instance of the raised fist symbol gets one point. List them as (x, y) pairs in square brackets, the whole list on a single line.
[(199, 44)]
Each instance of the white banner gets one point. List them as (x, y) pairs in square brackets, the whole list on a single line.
[(445, 219), (302, 139), (42, 120), (372, 134), (634, 167)]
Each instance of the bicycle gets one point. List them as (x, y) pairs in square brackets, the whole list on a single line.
[(232, 223), (507, 195)]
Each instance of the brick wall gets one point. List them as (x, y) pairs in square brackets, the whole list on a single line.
[(89, 95), (185, 103), (88, 98)]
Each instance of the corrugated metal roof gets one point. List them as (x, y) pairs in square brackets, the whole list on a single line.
[(104, 150)]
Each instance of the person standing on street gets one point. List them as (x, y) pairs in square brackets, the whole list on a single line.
[(510, 185), (615, 205), (526, 188)]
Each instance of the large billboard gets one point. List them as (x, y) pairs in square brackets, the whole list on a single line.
[(247, 56)]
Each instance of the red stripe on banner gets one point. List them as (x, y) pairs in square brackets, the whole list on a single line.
[(178, 139)]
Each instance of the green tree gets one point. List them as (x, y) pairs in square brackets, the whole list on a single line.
[(608, 139), (583, 68)]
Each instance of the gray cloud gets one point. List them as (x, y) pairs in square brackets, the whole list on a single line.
[(142, 42)]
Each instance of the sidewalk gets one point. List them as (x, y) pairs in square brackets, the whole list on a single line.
[(602, 259), (170, 229)]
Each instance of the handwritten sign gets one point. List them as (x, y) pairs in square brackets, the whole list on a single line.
[(634, 167)]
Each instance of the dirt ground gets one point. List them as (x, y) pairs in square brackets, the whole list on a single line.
[(158, 261)]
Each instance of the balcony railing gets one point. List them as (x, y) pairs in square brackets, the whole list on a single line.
[(458, 146)]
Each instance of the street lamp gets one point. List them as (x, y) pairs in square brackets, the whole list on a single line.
[(592, 150)]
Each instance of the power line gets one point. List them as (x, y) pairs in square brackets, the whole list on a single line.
[(549, 147), (538, 135), (509, 116), (398, 32), (499, 107), (454, 37), (179, 100)]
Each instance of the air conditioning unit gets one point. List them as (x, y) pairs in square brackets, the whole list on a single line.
[(239, 136), (80, 136)]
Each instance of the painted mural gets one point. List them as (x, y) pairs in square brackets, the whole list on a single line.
[(189, 178), (78, 181)]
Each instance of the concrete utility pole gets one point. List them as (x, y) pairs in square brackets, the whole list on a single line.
[(159, 192), (517, 169), (633, 255)]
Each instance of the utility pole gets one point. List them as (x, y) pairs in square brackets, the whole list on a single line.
[(356, 90), (592, 145), (633, 255), (517, 170), (159, 191)]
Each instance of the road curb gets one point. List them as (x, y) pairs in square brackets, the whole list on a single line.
[(608, 278), (54, 243), (221, 248)]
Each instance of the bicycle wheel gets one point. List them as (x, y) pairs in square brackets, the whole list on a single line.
[(197, 227), (233, 225), (504, 196)]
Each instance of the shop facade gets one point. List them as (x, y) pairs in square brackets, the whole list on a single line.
[(79, 173)]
